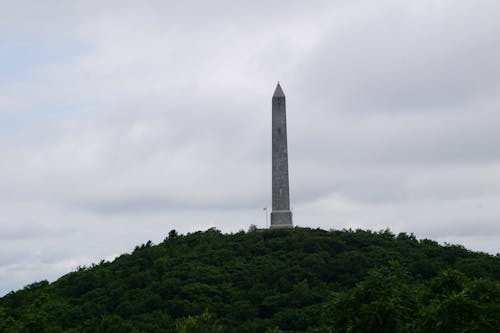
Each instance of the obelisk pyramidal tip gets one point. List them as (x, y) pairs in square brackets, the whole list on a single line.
[(281, 216), (278, 92)]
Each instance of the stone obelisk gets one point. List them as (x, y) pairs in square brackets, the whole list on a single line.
[(281, 216)]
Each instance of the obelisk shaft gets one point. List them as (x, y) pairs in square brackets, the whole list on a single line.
[(281, 216)]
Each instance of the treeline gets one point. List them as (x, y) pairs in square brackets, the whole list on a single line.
[(299, 280)]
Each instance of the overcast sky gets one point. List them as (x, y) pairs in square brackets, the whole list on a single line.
[(122, 120)]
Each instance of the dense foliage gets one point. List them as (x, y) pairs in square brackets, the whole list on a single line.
[(270, 281)]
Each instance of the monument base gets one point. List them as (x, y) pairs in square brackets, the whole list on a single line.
[(281, 219)]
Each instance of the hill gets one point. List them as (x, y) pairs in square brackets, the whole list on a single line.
[(294, 280)]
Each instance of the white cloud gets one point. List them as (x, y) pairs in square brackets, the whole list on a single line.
[(9, 104)]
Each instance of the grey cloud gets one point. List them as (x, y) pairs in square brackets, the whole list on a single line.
[(163, 122), (472, 228), (383, 61), (140, 205), (25, 230)]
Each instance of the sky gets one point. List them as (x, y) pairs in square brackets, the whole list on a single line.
[(123, 120)]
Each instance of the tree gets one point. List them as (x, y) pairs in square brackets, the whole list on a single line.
[(382, 302), (203, 323)]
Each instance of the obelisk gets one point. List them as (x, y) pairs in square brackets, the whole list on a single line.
[(281, 216)]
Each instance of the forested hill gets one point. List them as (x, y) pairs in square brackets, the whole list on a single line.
[(298, 280)]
